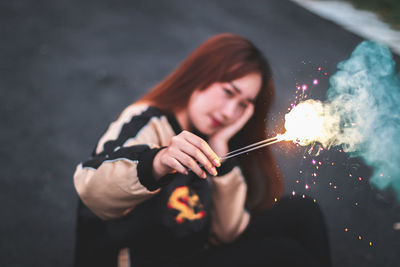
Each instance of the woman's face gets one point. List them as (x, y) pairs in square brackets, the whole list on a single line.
[(221, 104)]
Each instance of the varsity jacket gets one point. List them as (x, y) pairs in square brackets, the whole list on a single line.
[(117, 181)]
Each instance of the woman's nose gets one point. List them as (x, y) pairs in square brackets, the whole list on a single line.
[(229, 110)]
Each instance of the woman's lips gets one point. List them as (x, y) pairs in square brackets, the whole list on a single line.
[(215, 122)]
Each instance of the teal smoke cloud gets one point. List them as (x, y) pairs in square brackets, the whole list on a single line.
[(365, 95)]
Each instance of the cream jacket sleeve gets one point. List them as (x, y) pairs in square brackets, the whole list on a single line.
[(118, 176)]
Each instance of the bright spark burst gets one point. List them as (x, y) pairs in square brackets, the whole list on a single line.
[(306, 124)]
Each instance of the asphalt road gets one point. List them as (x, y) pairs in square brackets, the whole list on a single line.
[(67, 68)]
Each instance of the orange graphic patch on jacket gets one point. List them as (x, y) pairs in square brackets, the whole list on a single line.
[(187, 203)]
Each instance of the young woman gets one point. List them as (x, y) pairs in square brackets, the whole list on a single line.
[(155, 192)]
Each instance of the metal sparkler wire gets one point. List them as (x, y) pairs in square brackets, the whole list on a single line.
[(251, 147)]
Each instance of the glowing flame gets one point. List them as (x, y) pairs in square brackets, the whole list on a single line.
[(307, 123)]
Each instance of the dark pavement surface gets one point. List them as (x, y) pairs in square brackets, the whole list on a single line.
[(67, 68)]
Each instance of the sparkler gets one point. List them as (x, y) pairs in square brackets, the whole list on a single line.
[(249, 148), (304, 124)]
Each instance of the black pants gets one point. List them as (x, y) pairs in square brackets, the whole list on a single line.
[(293, 233)]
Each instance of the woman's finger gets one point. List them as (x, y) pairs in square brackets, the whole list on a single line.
[(203, 147), (248, 112), (190, 163), (177, 166), (198, 155)]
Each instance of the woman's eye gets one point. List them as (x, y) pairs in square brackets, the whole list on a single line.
[(228, 92), (243, 105)]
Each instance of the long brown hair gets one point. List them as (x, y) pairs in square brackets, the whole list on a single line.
[(224, 58)]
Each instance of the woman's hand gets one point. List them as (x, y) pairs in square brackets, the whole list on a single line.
[(186, 151), (219, 141)]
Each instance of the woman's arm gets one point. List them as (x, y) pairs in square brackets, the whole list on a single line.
[(132, 158), (119, 174)]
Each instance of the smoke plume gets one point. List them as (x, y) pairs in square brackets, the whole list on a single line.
[(362, 112)]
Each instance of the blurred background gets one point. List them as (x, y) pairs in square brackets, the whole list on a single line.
[(67, 68)]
